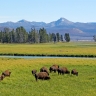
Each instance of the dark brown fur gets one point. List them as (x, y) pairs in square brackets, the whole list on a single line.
[(44, 69), (2, 77), (34, 72), (74, 72), (42, 75), (54, 68), (63, 70), (6, 73)]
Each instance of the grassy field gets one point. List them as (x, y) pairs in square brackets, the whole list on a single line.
[(71, 48), (22, 82)]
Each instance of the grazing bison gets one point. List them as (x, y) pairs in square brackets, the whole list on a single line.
[(42, 75), (6, 73), (2, 77), (44, 69), (54, 68), (74, 72), (34, 72), (63, 70)]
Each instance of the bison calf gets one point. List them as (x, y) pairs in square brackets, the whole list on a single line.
[(42, 75), (6, 73), (74, 72)]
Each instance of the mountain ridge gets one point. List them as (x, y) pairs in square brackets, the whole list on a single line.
[(62, 25)]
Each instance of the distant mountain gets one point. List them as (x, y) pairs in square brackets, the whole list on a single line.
[(61, 25), (60, 22), (23, 21)]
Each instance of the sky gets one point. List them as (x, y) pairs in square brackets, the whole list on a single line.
[(47, 10)]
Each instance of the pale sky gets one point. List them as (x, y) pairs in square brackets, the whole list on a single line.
[(48, 10)]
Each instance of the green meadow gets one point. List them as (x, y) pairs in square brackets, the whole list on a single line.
[(71, 49), (23, 83)]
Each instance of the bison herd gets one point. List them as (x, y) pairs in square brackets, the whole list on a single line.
[(44, 73)]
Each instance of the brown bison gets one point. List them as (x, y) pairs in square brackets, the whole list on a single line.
[(42, 75), (2, 77), (44, 69), (6, 73), (34, 72), (63, 70), (54, 68), (74, 72)]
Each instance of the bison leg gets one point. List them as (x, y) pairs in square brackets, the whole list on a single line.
[(77, 74), (58, 72), (54, 71), (36, 77)]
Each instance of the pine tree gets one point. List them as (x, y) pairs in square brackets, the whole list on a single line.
[(67, 37)]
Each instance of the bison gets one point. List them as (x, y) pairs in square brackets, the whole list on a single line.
[(2, 77), (54, 68), (44, 69), (6, 73), (63, 70), (74, 72), (42, 75), (34, 72)]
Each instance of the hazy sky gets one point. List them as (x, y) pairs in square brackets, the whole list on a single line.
[(48, 10)]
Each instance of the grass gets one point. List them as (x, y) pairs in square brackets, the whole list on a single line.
[(87, 49), (22, 82)]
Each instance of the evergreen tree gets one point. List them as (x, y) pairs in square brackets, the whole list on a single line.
[(57, 37), (54, 37), (42, 35), (1, 36), (6, 38), (67, 37), (12, 36), (21, 35), (33, 36), (50, 37), (94, 38), (61, 38)]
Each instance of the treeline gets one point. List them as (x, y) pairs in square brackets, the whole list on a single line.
[(20, 35)]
